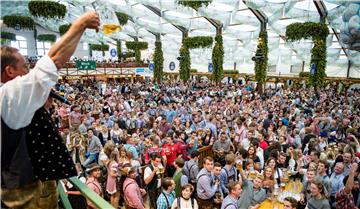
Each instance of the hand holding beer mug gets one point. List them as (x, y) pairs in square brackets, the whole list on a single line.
[(108, 20), (161, 170), (157, 170)]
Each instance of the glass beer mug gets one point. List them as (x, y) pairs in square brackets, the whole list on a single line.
[(108, 19)]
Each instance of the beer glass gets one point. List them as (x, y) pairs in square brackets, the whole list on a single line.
[(108, 19), (239, 166), (252, 174)]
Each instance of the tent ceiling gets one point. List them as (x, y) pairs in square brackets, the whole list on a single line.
[(240, 26)]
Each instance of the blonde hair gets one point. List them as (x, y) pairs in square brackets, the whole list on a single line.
[(272, 173)]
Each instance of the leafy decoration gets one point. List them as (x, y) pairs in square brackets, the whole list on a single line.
[(118, 48), (218, 59), (304, 74), (64, 28), (8, 36), (184, 63), (198, 42), (261, 64), (297, 31), (15, 21), (122, 17), (194, 4), (4, 41), (47, 9), (193, 70), (136, 46), (318, 32), (158, 62), (99, 47), (47, 38), (129, 54), (231, 72)]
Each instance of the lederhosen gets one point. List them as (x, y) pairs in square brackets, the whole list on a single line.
[(230, 178), (192, 183), (152, 189), (126, 205), (208, 202)]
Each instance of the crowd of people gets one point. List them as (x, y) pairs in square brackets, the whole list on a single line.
[(132, 142), (259, 141)]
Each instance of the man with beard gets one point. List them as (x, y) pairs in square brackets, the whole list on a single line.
[(348, 196)]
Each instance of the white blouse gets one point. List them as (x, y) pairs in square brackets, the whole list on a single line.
[(184, 204)]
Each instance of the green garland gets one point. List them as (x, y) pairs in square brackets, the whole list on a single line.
[(99, 47), (198, 42), (8, 36), (304, 74), (47, 38), (137, 46), (118, 48), (4, 41), (122, 17), (194, 4), (261, 65), (129, 54), (14, 21), (318, 32), (218, 59), (185, 63), (64, 28), (193, 70), (158, 62), (231, 72), (297, 31), (47, 9)]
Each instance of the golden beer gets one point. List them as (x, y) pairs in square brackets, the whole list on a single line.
[(282, 186), (285, 179), (110, 28), (252, 174), (162, 170), (239, 166)]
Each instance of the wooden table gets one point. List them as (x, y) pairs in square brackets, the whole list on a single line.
[(268, 205), (294, 187)]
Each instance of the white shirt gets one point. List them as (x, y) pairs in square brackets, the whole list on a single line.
[(260, 154), (148, 172), (184, 204), (22, 96)]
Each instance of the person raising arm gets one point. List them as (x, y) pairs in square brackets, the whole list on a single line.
[(28, 91)]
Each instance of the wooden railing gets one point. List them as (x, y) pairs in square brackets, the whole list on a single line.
[(204, 152), (98, 201)]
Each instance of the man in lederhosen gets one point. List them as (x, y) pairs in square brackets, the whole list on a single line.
[(206, 187), (21, 94)]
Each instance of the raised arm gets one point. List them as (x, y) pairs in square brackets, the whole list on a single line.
[(350, 181), (61, 52)]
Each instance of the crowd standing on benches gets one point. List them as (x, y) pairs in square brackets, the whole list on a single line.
[(141, 141)]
